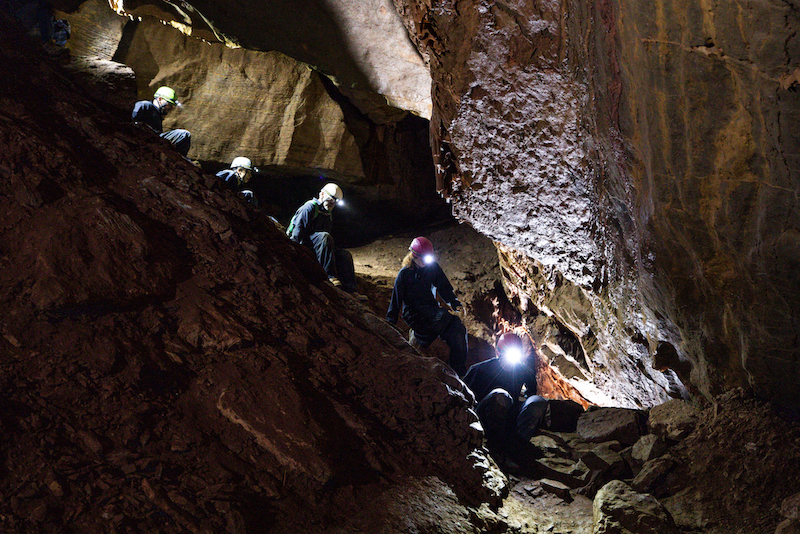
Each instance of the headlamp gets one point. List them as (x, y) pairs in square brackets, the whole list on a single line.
[(512, 355), (428, 258)]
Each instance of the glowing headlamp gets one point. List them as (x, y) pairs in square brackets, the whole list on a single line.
[(428, 258), (512, 355), (340, 202)]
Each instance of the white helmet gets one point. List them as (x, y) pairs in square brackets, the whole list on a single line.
[(333, 190), (245, 163)]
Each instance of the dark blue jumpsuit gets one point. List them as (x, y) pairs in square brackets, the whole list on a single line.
[(497, 390), (148, 113), (230, 179), (312, 228), (414, 295)]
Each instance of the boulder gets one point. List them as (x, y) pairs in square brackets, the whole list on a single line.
[(652, 473), (618, 509), (647, 448), (673, 420), (609, 424)]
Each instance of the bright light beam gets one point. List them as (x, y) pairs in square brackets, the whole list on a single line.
[(512, 356), (428, 258)]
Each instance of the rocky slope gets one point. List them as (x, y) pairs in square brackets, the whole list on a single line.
[(170, 361)]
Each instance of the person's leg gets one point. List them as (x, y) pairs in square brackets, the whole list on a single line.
[(455, 335), (495, 412), (531, 416), (345, 269), (181, 139), (323, 248)]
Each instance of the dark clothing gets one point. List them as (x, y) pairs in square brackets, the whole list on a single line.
[(230, 179), (311, 226), (147, 113), (310, 218), (485, 376), (502, 415), (414, 294)]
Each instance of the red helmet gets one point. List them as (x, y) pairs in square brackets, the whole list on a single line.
[(508, 341), (421, 246)]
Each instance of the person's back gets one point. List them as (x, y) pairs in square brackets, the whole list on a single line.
[(415, 296), (145, 112)]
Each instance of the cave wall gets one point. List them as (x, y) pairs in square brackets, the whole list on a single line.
[(297, 125), (640, 153)]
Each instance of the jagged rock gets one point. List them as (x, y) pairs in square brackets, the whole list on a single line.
[(608, 424), (617, 509), (652, 473), (790, 507), (606, 458), (562, 415), (673, 420), (647, 448)]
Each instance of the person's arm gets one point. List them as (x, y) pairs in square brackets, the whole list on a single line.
[(445, 289), (396, 303), (300, 232)]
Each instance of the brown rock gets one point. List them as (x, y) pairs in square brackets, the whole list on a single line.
[(608, 424), (647, 448), (617, 509), (673, 420), (652, 473), (790, 507)]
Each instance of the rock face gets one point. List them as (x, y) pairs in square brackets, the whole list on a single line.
[(170, 361), (360, 44), (642, 155)]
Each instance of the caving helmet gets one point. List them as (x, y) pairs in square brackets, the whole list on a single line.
[(242, 162), (422, 248), (333, 190), (509, 347), (168, 94)]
